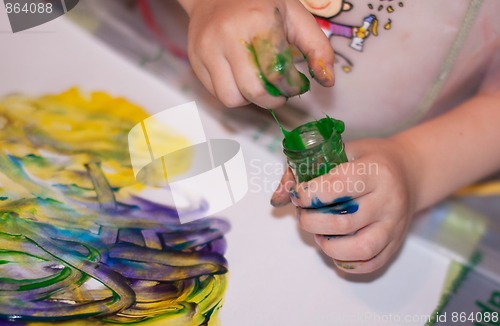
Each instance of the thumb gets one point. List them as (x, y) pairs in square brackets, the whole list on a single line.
[(281, 195), (303, 31), (274, 58)]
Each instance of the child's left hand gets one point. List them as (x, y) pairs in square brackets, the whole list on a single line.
[(359, 211)]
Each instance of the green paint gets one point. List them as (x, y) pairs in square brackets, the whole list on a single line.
[(280, 64), (3, 198), (311, 72), (293, 138), (314, 148), (270, 88), (283, 130), (306, 84), (282, 61), (326, 126)]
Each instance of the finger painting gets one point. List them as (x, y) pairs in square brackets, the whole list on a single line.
[(79, 242)]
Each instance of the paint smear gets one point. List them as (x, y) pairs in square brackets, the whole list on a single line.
[(340, 206), (272, 56), (79, 243)]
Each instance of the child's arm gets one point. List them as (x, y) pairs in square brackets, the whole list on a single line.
[(221, 32), (413, 170), (454, 150)]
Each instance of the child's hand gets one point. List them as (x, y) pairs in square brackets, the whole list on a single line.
[(234, 46), (373, 201)]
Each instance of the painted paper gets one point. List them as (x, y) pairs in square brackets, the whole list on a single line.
[(78, 237)]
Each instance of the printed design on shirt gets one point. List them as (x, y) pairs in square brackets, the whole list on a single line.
[(327, 11)]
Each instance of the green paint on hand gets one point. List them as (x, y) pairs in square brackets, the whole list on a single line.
[(270, 88), (281, 63), (306, 84), (311, 72)]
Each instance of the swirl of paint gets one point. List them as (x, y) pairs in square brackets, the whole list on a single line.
[(77, 238)]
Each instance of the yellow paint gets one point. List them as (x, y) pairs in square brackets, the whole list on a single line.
[(80, 129), (322, 72)]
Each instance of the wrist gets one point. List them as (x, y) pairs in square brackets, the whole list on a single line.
[(413, 168)]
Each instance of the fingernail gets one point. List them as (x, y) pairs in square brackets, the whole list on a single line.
[(280, 197), (329, 73), (325, 72), (276, 203), (345, 265), (294, 196)]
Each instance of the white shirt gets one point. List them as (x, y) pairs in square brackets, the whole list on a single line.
[(435, 55)]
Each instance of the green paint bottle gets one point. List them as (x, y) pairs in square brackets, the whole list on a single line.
[(314, 148)]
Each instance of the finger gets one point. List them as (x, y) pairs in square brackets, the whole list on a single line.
[(345, 218), (202, 74), (341, 219), (343, 183), (224, 85), (248, 78), (281, 195), (371, 265), (274, 58), (361, 246), (311, 41)]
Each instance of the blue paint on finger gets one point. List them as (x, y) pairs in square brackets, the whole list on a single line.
[(341, 209), (294, 193), (317, 203), (340, 206)]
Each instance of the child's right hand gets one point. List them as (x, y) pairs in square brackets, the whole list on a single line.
[(222, 32)]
